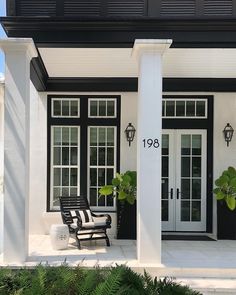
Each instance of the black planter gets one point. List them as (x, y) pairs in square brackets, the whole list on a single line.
[(226, 222), (126, 221)]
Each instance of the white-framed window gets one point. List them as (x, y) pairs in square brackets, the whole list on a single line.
[(184, 108), (65, 163), (65, 107), (101, 164), (102, 108)]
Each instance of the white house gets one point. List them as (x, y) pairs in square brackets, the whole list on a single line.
[(77, 74)]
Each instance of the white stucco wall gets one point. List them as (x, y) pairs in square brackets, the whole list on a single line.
[(1, 161)]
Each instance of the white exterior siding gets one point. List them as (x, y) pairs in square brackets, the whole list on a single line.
[(1, 161)]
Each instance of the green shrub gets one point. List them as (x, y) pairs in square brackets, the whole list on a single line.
[(119, 280)]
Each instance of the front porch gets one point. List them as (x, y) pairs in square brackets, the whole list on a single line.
[(207, 266)]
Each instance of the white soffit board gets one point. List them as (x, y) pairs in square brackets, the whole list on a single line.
[(117, 62)]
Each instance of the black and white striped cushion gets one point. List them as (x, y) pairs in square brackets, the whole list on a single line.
[(85, 215)]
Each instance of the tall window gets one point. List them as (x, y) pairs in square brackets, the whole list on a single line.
[(83, 133)]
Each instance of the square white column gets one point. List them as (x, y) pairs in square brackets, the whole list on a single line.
[(18, 54), (149, 54)]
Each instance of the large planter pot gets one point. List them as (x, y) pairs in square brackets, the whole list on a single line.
[(226, 222), (126, 221)]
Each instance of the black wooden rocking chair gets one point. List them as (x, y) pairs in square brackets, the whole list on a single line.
[(82, 223)]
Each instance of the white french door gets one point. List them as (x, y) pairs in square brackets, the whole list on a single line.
[(184, 180)]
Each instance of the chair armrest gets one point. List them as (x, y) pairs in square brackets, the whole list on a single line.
[(108, 217)]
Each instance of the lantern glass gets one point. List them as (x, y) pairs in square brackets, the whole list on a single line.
[(130, 132), (228, 133)]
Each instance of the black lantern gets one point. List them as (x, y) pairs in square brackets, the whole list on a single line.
[(130, 132), (228, 133)]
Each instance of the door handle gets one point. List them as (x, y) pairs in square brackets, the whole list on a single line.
[(171, 193), (177, 194)]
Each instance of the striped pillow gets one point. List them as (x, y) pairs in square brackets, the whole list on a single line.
[(85, 215)]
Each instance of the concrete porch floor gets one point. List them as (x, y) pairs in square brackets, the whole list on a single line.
[(208, 266)]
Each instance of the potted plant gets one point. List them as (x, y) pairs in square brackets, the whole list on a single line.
[(225, 193), (124, 187)]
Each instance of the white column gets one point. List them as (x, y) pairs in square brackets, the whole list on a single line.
[(18, 54), (149, 54)]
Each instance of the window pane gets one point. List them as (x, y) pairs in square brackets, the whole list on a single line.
[(73, 176), (101, 201), (110, 108), (110, 136), (201, 109), (65, 191), (93, 108), (74, 136), (163, 108), (102, 108), (74, 107), (73, 156), (110, 175), (101, 176), (102, 133), (110, 201), (56, 195), (93, 136), (65, 176), (101, 157), (65, 108), (65, 156), (180, 108), (110, 156), (93, 156), (57, 135), (93, 197), (57, 177), (93, 177), (56, 108), (190, 108), (170, 108), (56, 156), (65, 136), (73, 191)]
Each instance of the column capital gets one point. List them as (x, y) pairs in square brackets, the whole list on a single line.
[(10, 45), (157, 46)]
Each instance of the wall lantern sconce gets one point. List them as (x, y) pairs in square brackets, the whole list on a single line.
[(228, 133), (130, 132)]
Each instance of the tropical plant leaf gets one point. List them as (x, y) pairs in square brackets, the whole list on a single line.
[(232, 183), (230, 201), (122, 195), (220, 195), (130, 199), (222, 180), (106, 190), (115, 181)]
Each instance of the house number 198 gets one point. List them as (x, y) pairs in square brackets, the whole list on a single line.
[(149, 142)]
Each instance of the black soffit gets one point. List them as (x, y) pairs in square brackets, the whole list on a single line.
[(92, 32)]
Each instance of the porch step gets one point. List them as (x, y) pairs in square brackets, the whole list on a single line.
[(210, 286)]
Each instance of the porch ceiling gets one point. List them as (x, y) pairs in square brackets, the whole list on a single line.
[(117, 62)]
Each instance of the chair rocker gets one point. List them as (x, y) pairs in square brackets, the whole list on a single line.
[(82, 222)]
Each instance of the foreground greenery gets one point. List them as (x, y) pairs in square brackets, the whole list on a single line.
[(64, 280)]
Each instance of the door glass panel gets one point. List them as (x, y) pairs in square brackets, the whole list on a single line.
[(170, 108), (185, 211), (196, 211), (165, 211), (185, 167), (185, 188), (165, 177), (196, 188), (196, 166)]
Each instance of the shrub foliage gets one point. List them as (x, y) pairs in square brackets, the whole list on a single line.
[(119, 280)]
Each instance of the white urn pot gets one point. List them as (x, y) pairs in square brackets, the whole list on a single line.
[(59, 235)]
